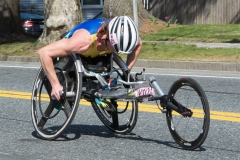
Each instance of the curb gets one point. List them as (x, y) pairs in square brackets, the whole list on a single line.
[(19, 58), (214, 66)]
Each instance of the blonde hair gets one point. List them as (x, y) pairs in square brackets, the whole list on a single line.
[(103, 29)]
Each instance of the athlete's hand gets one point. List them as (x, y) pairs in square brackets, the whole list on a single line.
[(56, 90)]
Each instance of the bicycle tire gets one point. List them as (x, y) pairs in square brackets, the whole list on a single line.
[(50, 117), (188, 132), (118, 120)]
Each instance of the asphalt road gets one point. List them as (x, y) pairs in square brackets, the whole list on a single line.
[(150, 139)]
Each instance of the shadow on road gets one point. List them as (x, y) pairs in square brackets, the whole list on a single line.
[(76, 131)]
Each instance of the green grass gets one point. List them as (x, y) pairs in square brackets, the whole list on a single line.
[(182, 52), (159, 50), (19, 46), (199, 33), (19, 49)]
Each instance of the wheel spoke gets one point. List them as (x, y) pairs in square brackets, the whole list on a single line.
[(67, 109), (115, 119), (47, 86), (47, 113)]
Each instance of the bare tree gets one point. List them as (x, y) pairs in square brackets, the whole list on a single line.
[(10, 23), (60, 17), (114, 8)]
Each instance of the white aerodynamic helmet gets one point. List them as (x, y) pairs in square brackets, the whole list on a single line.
[(123, 34)]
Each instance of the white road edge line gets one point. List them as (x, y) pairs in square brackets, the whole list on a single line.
[(183, 75)]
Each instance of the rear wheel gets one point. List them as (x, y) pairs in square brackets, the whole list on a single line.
[(120, 116), (50, 117), (188, 132)]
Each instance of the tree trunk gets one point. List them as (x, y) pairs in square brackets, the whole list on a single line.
[(60, 17), (10, 23), (114, 8)]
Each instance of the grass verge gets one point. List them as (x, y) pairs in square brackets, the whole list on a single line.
[(197, 33)]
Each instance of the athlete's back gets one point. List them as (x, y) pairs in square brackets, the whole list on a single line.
[(92, 26)]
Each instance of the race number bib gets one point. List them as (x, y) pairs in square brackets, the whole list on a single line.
[(144, 92)]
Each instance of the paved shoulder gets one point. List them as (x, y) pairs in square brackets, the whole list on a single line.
[(203, 44), (214, 45)]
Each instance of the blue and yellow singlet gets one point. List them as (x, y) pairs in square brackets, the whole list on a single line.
[(92, 27)]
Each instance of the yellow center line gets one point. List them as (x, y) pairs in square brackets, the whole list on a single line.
[(216, 115)]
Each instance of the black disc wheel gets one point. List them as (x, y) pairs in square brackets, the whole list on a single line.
[(189, 131), (51, 117), (118, 115)]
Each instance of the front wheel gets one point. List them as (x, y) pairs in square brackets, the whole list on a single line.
[(191, 131)]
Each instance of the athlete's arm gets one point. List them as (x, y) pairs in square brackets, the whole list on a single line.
[(132, 58), (78, 43)]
